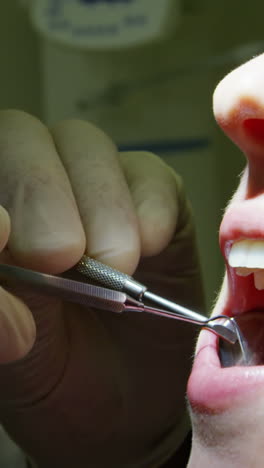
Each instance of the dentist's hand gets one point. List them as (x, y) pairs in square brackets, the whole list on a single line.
[(79, 387)]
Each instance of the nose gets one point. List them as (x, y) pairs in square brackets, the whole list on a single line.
[(238, 105)]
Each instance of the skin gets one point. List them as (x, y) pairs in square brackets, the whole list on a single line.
[(80, 387), (227, 405)]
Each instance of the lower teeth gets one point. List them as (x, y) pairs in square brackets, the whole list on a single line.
[(251, 325)]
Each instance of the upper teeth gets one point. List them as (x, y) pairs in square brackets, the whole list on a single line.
[(247, 256)]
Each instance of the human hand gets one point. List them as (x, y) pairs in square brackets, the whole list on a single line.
[(228, 403), (81, 387)]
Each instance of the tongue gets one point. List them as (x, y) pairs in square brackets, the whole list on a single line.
[(251, 325)]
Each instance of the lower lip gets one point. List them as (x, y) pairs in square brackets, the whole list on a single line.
[(213, 389)]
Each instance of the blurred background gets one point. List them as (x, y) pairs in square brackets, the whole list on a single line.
[(151, 88)]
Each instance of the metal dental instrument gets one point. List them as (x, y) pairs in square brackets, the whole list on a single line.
[(237, 354), (114, 279), (113, 300)]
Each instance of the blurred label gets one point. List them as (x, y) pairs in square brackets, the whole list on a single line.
[(105, 24)]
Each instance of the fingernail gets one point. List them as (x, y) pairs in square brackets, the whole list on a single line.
[(17, 328)]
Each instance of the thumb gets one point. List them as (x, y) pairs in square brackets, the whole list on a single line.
[(17, 328), (34, 349)]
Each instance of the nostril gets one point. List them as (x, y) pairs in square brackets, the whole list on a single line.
[(254, 129)]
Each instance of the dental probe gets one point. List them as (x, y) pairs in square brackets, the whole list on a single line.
[(109, 299), (114, 279)]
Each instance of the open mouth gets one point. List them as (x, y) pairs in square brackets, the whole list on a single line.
[(219, 378)]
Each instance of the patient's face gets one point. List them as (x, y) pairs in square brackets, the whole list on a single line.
[(227, 403)]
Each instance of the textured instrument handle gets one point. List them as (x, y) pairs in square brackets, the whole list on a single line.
[(109, 277), (101, 273)]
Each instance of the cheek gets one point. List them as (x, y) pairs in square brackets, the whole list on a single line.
[(234, 438)]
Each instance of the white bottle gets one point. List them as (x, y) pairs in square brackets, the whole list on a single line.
[(105, 24)]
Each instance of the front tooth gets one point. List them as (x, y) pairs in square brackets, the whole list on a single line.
[(241, 271), (258, 275), (259, 279), (247, 253), (247, 257)]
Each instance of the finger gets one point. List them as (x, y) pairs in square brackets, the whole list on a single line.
[(46, 229), (154, 191), (101, 192)]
